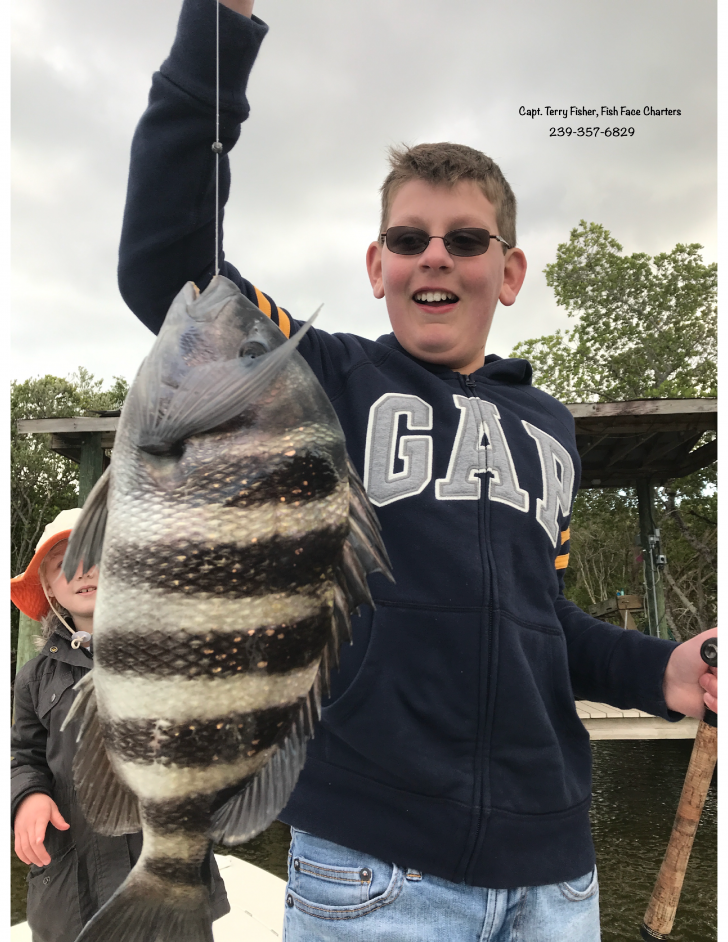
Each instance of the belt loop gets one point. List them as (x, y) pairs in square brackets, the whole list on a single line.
[(413, 874)]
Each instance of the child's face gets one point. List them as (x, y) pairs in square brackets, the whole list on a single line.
[(452, 333), (77, 596)]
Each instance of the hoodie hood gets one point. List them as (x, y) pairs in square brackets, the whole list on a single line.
[(494, 368)]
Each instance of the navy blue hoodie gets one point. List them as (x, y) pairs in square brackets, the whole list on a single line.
[(450, 743)]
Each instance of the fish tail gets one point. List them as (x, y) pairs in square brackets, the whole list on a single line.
[(152, 906)]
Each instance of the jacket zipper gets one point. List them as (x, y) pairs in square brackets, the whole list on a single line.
[(470, 385)]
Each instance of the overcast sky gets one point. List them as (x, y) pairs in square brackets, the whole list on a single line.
[(335, 84)]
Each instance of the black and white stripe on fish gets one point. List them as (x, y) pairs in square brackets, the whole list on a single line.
[(273, 565), (234, 540), (274, 648)]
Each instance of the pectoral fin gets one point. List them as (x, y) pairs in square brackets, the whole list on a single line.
[(87, 537), (215, 393)]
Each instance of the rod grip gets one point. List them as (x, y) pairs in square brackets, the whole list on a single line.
[(660, 913), (648, 935)]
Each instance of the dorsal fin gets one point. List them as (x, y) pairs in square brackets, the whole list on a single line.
[(363, 553)]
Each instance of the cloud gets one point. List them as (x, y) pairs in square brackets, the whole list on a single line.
[(335, 84)]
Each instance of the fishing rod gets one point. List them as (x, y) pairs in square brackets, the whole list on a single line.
[(217, 145), (660, 913)]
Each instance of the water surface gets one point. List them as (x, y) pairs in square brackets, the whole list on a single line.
[(636, 790)]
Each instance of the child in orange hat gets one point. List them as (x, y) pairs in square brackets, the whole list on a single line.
[(73, 870), (50, 832), (42, 587)]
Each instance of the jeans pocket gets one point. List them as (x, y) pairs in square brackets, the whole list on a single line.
[(333, 882), (582, 887)]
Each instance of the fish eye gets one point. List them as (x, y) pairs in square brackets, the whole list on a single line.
[(252, 349)]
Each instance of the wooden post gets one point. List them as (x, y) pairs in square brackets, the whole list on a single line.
[(654, 588), (619, 607), (91, 465), (27, 631)]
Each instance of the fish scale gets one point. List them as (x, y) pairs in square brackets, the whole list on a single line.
[(234, 539), (280, 647)]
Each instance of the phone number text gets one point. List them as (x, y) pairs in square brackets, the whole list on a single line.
[(591, 132)]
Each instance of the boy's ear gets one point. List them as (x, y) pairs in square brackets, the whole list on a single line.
[(374, 268), (513, 274)]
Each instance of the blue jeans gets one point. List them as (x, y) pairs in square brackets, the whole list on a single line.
[(339, 895)]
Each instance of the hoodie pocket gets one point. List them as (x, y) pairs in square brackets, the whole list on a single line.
[(540, 750), (412, 708)]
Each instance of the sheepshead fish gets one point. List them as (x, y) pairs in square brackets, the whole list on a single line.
[(234, 539)]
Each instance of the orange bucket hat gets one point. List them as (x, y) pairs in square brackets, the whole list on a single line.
[(25, 590)]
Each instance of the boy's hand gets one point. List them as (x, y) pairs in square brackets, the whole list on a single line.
[(243, 7), (31, 821), (689, 684)]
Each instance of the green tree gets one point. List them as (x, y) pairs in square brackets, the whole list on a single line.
[(605, 556), (687, 512), (43, 483), (645, 327)]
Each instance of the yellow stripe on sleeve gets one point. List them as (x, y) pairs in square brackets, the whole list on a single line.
[(561, 562), (263, 302), (565, 534), (284, 321)]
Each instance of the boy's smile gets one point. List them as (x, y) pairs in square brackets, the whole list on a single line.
[(441, 306)]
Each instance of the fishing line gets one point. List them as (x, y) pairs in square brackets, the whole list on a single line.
[(217, 146)]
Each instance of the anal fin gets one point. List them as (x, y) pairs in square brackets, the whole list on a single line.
[(108, 805)]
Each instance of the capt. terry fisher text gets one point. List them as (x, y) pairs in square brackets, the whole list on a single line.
[(606, 115)]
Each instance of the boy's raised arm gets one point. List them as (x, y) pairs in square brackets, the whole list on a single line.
[(169, 219), (243, 7)]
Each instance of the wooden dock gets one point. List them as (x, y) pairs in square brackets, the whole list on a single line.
[(257, 903), (606, 722)]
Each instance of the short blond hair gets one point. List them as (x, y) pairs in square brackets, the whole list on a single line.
[(446, 164)]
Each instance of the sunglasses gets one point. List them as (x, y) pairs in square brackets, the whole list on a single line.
[(406, 240)]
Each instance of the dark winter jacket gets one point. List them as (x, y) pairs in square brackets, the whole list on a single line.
[(450, 743), (86, 868)]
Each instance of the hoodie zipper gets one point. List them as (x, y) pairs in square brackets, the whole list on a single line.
[(470, 384)]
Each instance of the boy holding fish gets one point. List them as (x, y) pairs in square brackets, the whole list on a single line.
[(447, 788), (73, 870)]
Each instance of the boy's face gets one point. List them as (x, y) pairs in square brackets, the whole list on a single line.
[(452, 332)]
